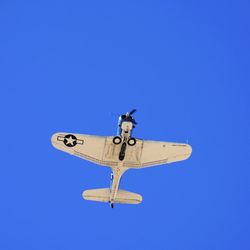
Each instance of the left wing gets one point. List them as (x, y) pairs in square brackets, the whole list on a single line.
[(157, 153), (152, 153)]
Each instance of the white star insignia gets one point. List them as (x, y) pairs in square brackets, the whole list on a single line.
[(70, 140)]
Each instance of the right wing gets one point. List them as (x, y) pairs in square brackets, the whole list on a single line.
[(98, 149), (88, 147)]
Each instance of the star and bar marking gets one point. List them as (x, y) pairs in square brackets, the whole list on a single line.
[(70, 140)]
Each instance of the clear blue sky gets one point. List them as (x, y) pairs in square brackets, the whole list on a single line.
[(70, 66)]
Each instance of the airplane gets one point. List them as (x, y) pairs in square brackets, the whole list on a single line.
[(120, 153)]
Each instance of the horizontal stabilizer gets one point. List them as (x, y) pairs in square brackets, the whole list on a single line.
[(126, 197), (100, 194), (103, 195)]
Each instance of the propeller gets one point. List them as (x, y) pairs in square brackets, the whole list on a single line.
[(132, 112), (129, 116)]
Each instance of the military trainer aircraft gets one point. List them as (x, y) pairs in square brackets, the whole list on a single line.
[(120, 152)]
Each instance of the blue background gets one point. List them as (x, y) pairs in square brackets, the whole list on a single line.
[(73, 66)]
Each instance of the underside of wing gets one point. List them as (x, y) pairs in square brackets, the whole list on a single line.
[(101, 150), (88, 147), (157, 153), (98, 149)]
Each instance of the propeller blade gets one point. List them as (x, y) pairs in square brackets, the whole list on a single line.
[(132, 112)]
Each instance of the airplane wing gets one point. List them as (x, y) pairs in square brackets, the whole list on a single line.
[(97, 149), (88, 147), (156, 153), (101, 150)]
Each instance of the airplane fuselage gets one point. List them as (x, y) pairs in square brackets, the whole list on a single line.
[(124, 137), (125, 127)]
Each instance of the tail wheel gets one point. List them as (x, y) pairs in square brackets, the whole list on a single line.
[(131, 141), (117, 140)]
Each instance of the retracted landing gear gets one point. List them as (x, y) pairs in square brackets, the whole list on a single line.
[(131, 141), (117, 140)]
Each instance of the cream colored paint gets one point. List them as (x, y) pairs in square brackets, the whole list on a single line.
[(101, 150)]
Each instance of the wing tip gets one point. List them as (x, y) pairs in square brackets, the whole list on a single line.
[(189, 150), (56, 138)]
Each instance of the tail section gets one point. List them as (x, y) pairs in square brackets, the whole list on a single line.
[(100, 194), (103, 195), (126, 197)]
